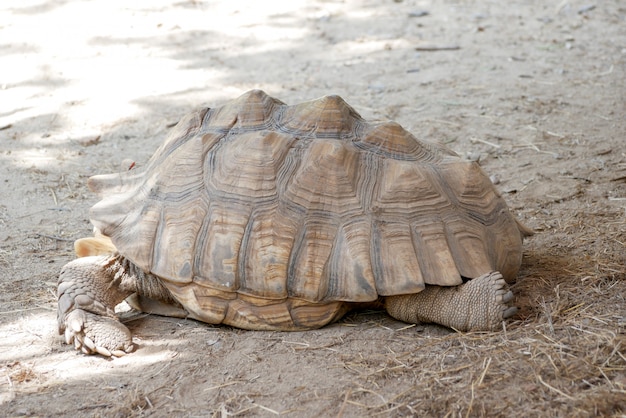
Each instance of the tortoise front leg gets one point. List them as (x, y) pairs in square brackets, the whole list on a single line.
[(89, 289), (478, 305)]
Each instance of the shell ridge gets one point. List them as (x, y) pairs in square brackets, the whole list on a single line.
[(266, 252), (434, 257), (348, 268), (396, 259), (240, 277), (218, 263), (466, 241)]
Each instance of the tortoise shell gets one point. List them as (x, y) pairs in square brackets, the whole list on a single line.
[(258, 203)]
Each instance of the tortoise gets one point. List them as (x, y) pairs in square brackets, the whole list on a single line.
[(265, 216)]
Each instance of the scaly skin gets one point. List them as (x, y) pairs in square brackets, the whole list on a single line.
[(478, 305), (88, 291)]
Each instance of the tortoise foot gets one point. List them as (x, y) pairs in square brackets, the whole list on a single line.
[(88, 291), (490, 294), (95, 334), (480, 304)]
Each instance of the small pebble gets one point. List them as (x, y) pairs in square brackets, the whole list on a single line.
[(586, 8), (419, 13), (473, 156), (377, 88), (212, 341)]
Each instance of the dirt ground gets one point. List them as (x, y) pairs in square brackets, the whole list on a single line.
[(536, 92)]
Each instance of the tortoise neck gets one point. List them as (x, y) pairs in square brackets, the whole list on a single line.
[(123, 264), (133, 278), (124, 273)]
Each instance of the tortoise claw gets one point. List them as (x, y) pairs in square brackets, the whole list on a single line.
[(507, 297), (95, 334), (509, 312)]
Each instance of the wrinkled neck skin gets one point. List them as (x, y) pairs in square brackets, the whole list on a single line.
[(124, 275), (130, 278)]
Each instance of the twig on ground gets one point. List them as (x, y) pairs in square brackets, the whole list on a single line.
[(54, 237), (474, 139), (552, 388), (343, 405), (431, 48)]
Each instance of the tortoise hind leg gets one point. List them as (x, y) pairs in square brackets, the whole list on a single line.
[(478, 305)]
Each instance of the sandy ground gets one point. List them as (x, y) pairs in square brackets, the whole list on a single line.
[(535, 92)]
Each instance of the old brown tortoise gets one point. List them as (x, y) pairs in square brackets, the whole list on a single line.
[(266, 216)]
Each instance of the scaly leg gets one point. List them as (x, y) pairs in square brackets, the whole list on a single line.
[(478, 305), (88, 291)]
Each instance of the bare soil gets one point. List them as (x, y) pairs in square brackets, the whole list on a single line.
[(536, 91)]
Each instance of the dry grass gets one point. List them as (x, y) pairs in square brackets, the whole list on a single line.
[(565, 358), (570, 363)]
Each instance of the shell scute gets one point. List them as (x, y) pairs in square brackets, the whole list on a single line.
[(176, 240), (405, 188), (251, 110), (310, 253), (394, 241), (247, 167), (219, 241), (327, 117), (349, 272), (267, 254), (325, 180), (435, 258)]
